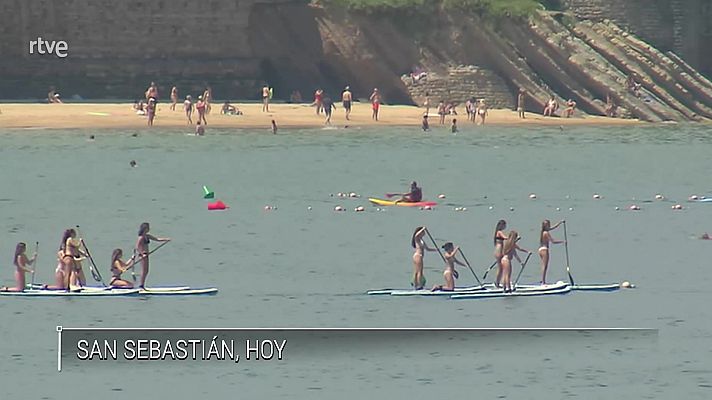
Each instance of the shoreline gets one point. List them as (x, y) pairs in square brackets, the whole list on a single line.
[(121, 115)]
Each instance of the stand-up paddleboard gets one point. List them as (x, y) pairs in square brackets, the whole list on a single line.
[(148, 291), (556, 288), (599, 287), (705, 200), (74, 293), (381, 202)]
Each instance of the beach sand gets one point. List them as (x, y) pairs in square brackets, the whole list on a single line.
[(108, 115)]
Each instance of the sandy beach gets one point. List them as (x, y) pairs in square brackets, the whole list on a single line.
[(108, 115)]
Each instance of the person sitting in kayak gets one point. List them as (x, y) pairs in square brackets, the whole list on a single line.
[(450, 273), (415, 195), (118, 267)]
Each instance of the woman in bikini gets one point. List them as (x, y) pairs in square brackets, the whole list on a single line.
[(118, 267), (509, 250), (420, 248), (499, 237), (144, 238), (450, 274), (21, 263), (72, 256), (545, 240)]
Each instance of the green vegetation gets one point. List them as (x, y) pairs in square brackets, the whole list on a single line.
[(496, 8)]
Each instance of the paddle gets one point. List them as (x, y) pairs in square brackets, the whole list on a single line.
[(468, 266), (94, 270), (566, 246), (34, 263), (149, 253), (524, 264), (436, 245), (389, 195)]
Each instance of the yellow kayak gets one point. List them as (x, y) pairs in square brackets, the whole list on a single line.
[(381, 202)]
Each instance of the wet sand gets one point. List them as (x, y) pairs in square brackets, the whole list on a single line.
[(108, 115)]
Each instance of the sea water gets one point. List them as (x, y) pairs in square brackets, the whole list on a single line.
[(293, 266)]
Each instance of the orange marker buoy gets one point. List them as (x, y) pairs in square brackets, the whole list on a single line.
[(218, 205)]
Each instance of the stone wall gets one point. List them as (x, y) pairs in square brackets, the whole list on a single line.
[(460, 84), (683, 26)]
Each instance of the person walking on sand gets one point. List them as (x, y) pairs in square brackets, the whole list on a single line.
[(329, 107), (142, 251), (450, 274), (174, 98), (319, 100), (265, 98), (346, 98), (375, 103), (520, 103), (545, 240), (188, 107), (200, 107), (482, 111), (151, 111)]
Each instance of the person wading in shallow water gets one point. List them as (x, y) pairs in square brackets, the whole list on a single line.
[(375, 103), (346, 98)]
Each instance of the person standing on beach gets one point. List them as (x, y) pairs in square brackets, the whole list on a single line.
[(469, 109), (142, 251), (482, 111), (426, 103), (208, 98), (151, 110), (328, 108), (174, 98), (441, 112), (346, 99), (200, 107), (319, 100), (265, 98), (570, 107), (375, 103), (152, 92), (188, 107), (520, 103)]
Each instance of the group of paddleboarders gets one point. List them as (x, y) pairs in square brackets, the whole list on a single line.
[(69, 272), (506, 248)]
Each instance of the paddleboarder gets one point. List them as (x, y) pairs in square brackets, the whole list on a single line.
[(415, 195), (545, 239), (417, 242), (450, 274), (499, 237), (144, 238), (72, 256), (509, 250), (21, 263), (118, 267)]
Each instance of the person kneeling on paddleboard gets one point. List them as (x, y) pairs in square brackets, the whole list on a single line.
[(450, 273), (415, 195), (118, 267)]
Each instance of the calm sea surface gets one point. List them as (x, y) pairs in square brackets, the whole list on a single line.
[(295, 267)]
